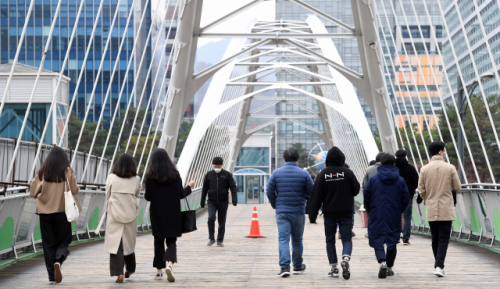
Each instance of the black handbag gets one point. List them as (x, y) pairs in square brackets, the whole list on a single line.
[(188, 219)]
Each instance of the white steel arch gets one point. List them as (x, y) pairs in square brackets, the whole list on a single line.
[(336, 110)]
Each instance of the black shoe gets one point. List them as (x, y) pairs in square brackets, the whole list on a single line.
[(285, 272), (346, 272), (220, 244), (297, 271), (406, 242), (211, 242), (382, 272), (390, 272), (334, 272)]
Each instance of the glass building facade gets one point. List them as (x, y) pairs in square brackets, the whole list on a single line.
[(12, 18), (289, 133)]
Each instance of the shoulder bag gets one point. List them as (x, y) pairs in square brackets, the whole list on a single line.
[(70, 207), (188, 218)]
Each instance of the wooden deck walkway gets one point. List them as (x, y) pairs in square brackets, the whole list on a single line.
[(253, 263)]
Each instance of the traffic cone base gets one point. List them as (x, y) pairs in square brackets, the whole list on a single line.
[(254, 229)]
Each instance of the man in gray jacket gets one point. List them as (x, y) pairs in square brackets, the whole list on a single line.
[(370, 172)]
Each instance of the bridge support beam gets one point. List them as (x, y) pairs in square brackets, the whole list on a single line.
[(179, 95), (375, 91)]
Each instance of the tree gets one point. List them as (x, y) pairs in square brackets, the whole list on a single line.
[(184, 131), (472, 138), (303, 155)]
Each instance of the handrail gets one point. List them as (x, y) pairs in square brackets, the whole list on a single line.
[(18, 219), (25, 158), (477, 215)]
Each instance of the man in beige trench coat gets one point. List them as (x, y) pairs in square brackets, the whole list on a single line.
[(437, 181)]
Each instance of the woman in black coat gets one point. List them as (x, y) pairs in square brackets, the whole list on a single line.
[(164, 190)]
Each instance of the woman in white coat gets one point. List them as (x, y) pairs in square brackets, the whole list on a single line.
[(122, 189)]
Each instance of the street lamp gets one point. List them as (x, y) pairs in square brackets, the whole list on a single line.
[(462, 105)]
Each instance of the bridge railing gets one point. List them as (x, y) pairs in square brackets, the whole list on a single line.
[(477, 215), (20, 226), (22, 175)]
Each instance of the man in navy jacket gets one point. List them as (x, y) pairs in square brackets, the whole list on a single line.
[(287, 190), (385, 198)]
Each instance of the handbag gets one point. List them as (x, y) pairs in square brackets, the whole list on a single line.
[(70, 207), (188, 218)]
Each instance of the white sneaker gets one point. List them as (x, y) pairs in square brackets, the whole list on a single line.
[(159, 276), (170, 274), (439, 272)]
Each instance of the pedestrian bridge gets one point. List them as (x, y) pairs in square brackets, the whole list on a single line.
[(253, 263), (415, 97)]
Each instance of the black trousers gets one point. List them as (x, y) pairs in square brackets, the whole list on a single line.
[(440, 231), (118, 261), (389, 257), (221, 208), (56, 237), (162, 256)]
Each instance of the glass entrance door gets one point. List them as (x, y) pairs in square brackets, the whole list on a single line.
[(253, 189)]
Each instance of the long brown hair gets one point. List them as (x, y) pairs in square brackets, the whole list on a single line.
[(55, 166)]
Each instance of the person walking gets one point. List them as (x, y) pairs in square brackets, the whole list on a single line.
[(122, 189), (51, 181), (410, 175), (164, 190), (216, 185), (370, 172), (335, 189), (385, 198), (287, 190), (437, 180)]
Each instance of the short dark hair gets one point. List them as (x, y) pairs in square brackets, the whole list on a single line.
[(217, 161), (161, 168), (291, 154), (125, 167), (436, 147), (372, 162), (379, 156), (387, 159), (401, 154)]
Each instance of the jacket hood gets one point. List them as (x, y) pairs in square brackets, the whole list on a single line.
[(401, 162), (335, 157), (388, 174)]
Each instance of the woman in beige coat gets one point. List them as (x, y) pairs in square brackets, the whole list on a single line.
[(54, 177), (122, 189)]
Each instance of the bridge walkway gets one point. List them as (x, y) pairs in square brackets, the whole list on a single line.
[(253, 263)]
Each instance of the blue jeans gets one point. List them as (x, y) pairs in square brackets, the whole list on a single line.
[(345, 228), (290, 224), (407, 226)]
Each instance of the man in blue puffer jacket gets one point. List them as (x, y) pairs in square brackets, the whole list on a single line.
[(287, 190)]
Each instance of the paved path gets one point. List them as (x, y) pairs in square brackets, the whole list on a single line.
[(253, 263)]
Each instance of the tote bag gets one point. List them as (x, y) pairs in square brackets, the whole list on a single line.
[(70, 207), (188, 218)]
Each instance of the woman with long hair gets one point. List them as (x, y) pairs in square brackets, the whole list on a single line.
[(54, 177), (122, 189), (164, 190)]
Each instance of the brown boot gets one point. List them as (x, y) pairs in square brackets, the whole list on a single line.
[(127, 274), (119, 279)]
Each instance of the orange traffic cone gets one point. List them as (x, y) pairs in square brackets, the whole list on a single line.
[(254, 229)]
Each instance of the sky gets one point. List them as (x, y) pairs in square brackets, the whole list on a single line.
[(215, 9)]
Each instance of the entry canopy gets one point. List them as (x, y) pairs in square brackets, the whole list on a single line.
[(253, 172)]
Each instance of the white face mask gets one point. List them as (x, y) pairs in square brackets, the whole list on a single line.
[(217, 170)]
